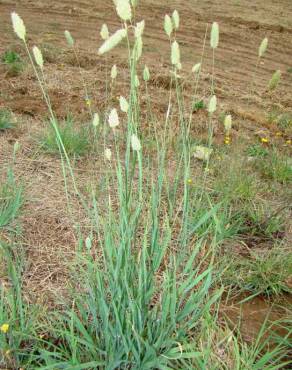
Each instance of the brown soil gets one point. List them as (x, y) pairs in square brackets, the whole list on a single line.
[(47, 232)]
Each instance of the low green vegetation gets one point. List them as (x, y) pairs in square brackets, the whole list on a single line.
[(75, 138), (6, 120), (13, 61)]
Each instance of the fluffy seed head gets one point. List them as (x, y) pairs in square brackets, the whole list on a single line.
[(113, 118), (124, 105), (69, 38), (108, 154), (196, 68), (263, 47), (136, 81), (274, 81), (139, 29), (124, 11), (18, 26), (135, 142), (146, 74), (214, 41), (175, 54), (138, 48), (112, 41), (203, 153), (175, 19), (212, 104), (228, 123), (38, 56), (168, 27), (114, 72), (95, 121), (104, 33)]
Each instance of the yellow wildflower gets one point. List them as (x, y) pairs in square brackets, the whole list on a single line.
[(264, 140), (4, 328), (227, 140), (278, 133), (88, 102), (288, 142), (189, 181)]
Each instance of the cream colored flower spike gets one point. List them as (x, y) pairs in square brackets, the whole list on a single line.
[(113, 118), (18, 26), (124, 10), (112, 41), (38, 56), (135, 142)]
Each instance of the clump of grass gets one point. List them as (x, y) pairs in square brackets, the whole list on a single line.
[(264, 272), (13, 62), (18, 318), (6, 120), (257, 151), (11, 199), (275, 166), (75, 139), (284, 122), (233, 180), (199, 105)]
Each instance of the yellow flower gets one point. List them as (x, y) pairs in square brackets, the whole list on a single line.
[(227, 140), (189, 181), (88, 102), (289, 142), (7, 353), (264, 140), (4, 328), (279, 133)]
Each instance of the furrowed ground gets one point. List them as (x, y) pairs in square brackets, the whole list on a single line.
[(253, 172)]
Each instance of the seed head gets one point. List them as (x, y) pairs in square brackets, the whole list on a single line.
[(104, 33), (274, 81), (138, 48), (196, 68), (124, 105), (135, 142), (228, 123), (212, 104), (168, 27), (38, 56), (214, 41), (175, 19), (203, 153), (114, 72), (139, 29), (108, 154), (175, 54), (113, 118), (263, 47), (95, 121), (136, 81), (112, 41), (69, 38), (18, 26), (124, 11), (146, 74)]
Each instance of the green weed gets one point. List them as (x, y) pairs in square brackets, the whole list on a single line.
[(6, 120), (264, 272), (75, 139), (13, 62)]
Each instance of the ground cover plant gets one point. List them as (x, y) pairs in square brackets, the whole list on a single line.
[(174, 221)]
